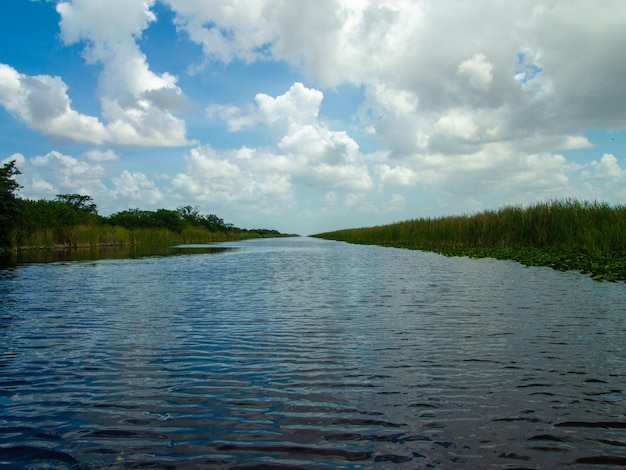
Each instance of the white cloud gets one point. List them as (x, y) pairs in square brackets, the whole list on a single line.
[(20, 160), (136, 189), (391, 115), (215, 179), (103, 22), (478, 71), (137, 104), (397, 202), (42, 103), (298, 106), (438, 60), (608, 167), (97, 155), (226, 31), (461, 101), (397, 176), (236, 119), (303, 147), (575, 142), (206, 165), (545, 175), (456, 125), (45, 176)]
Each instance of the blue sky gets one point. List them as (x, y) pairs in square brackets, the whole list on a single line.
[(310, 116)]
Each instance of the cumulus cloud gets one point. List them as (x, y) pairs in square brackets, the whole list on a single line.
[(606, 179), (45, 176), (397, 176), (235, 118), (304, 148), (215, 179), (464, 100), (297, 107), (136, 189), (507, 68), (42, 103), (97, 155), (225, 31), (327, 39), (478, 71), (137, 104), (608, 167)]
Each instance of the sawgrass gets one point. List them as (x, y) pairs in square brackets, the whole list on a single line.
[(565, 234), (108, 235)]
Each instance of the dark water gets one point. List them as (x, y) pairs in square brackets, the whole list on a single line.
[(301, 353)]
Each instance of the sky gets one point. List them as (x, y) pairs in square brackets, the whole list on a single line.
[(307, 116)]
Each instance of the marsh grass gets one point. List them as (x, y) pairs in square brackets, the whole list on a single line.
[(564, 234), (108, 235)]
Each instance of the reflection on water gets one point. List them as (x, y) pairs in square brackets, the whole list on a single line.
[(300, 353), (8, 260)]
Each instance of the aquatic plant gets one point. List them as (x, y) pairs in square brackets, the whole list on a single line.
[(564, 234), (109, 235)]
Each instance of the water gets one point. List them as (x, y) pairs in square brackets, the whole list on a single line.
[(303, 353)]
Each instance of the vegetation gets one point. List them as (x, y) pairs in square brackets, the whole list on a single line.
[(9, 203), (567, 235), (72, 220)]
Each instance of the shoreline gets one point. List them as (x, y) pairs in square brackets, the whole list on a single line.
[(566, 235), (66, 247), (598, 266)]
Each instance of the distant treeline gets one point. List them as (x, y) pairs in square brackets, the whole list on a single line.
[(72, 220), (567, 234)]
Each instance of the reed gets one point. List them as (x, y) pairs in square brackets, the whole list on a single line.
[(110, 235), (565, 234)]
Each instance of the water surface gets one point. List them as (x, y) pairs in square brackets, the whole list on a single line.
[(304, 353)]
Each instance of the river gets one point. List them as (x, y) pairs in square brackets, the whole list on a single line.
[(306, 353)]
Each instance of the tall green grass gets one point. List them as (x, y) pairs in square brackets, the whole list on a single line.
[(589, 236), (592, 226), (107, 235)]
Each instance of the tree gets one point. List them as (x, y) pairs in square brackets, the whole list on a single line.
[(214, 223), (9, 203), (168, 219), (130, 219), (190, 214), (79, 203)]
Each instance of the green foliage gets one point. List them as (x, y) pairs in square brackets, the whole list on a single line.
[(72, 220), (9, 203), (176, 221), (586, 236), (159, 219), (42, 213), (190, 215), (167, 219), (79, 203), (130, 219), (213, 222)]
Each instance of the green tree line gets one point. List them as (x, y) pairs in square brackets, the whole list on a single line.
[(73, 220)]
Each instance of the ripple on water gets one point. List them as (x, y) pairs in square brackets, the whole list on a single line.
[(309, 354)]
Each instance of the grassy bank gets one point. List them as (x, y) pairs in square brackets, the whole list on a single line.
[(72, 221), (589, 237), (107, 235)]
